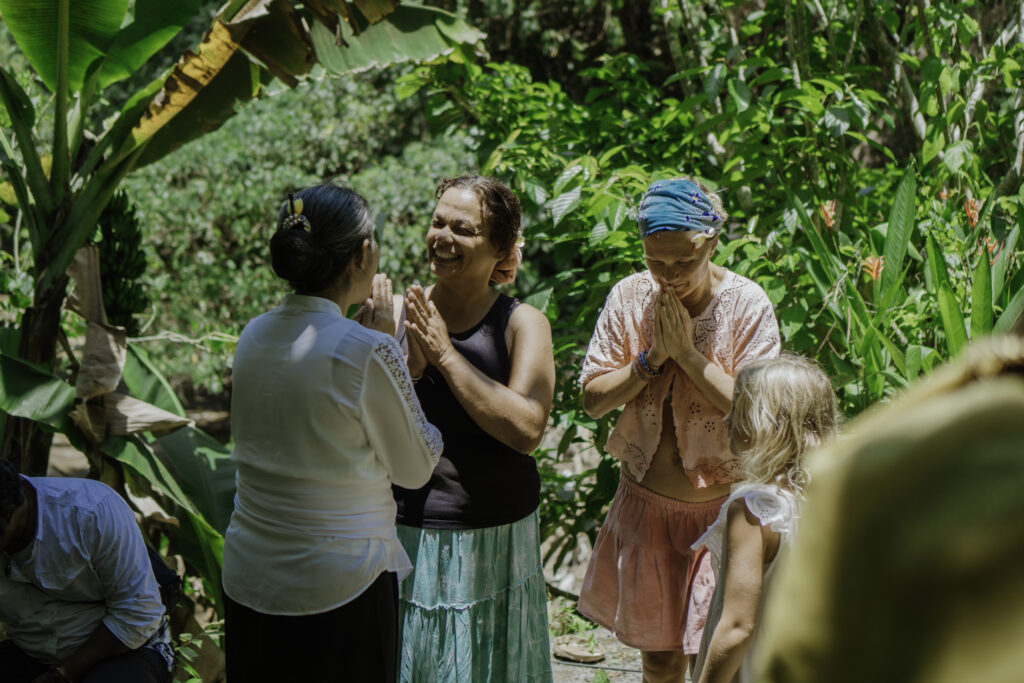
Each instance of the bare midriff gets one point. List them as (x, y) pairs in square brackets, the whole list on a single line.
[(666, 475)]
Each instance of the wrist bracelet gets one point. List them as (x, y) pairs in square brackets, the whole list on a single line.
[(639, 371), (651, 370)]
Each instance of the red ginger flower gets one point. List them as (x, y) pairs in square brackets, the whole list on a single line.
[(971, 208)]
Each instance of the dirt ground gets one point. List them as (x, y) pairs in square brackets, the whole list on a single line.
[(620, 665)]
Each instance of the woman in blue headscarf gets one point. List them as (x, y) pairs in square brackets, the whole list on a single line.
[(666, 347)]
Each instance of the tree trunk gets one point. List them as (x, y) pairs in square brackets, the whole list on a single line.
[(26, 444)]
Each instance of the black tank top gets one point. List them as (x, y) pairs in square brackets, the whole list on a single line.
[(479, 481)]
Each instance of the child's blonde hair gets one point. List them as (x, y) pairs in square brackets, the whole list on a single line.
[(786, 407)]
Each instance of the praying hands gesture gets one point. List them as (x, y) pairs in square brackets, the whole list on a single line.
[(673, 329), (376, 312), (427, 329)]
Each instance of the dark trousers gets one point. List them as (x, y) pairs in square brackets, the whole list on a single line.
[(137, 666), (357, 642)]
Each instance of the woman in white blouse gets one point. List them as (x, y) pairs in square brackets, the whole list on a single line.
[(324, 420)]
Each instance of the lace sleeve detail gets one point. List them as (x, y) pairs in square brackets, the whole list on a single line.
[(393, 417)]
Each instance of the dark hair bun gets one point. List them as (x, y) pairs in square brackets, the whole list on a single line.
[(312, 253), (295, 257)]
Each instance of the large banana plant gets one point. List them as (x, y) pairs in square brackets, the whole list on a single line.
[(79, 47)]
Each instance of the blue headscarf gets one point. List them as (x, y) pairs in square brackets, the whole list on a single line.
[(676, 205)]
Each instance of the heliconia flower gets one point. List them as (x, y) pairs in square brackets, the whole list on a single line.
[(873, 266), (971, 208), (994, 249), (828, 213)]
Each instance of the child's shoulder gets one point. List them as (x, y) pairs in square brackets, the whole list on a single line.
[(774, 507)]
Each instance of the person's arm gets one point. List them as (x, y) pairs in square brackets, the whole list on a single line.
[(515, 415), (743, 561), (405, 443), (608, 379), (611, 390), (100, 646)]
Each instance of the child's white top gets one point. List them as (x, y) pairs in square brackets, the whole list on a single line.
[(774, 508)]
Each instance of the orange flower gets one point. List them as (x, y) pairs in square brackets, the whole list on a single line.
[(943, 194), (971, 208), (873, 266), (828, 213), (994, 249)]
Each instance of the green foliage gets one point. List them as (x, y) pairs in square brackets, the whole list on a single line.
[(209, 210), (873, 193)]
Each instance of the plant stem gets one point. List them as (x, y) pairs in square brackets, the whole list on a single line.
[(61, 158)]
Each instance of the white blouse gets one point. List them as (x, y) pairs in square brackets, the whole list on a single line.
[(324, 420)]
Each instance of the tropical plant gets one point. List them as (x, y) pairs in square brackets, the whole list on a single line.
[(80, 47), (848, 135)]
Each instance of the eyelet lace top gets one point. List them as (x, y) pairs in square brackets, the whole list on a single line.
[(736, 328)]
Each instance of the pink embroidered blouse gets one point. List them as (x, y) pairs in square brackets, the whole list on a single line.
[(736, 328)]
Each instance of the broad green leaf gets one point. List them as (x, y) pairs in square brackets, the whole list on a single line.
[(913, 361), (34, 26), (539, 300), (598, 233), (564, 204), (957, 154), (29, 392), (817, 243), (1009, 316), (981, 299), (837, 121), (147, 384), (205, 472), (936, 265), (409, 33), (1003, 260), (932, 146), (952, 319), (565, 177), (236, 83), (899, 230), (741, 94), (154, 23)]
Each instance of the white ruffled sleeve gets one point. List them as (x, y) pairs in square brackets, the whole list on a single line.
[(405, 443), (773, 507)]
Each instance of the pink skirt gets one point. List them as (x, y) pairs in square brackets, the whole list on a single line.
[(644, 582)]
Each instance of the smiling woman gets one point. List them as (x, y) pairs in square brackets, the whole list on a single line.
[(475, 607)]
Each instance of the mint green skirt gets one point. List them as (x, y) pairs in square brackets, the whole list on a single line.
[(475, 606)]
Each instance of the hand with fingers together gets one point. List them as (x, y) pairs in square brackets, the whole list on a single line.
[(673, 329), (376, 312), (426, 327)]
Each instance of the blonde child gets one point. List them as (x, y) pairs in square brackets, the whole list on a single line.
[(781, 409)]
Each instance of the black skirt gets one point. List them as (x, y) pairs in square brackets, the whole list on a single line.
[(356, 642)]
